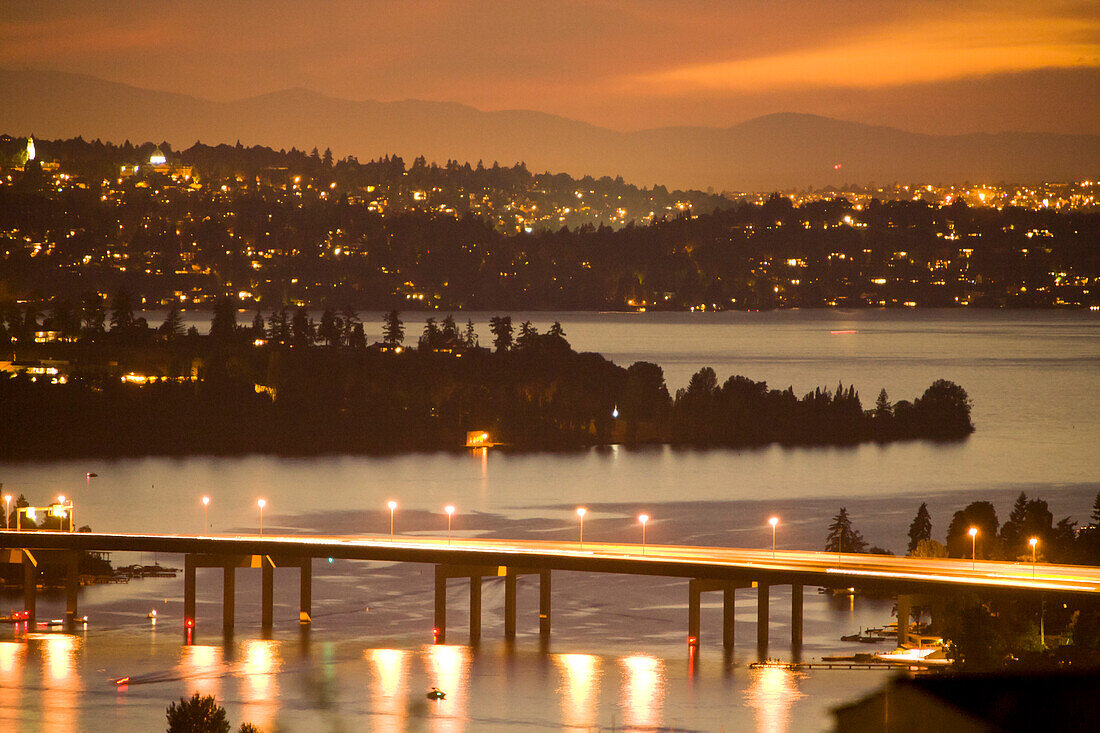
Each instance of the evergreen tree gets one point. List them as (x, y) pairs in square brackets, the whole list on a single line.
[(257, 326), (223, 326), (469, 338), (301, 328), (279, 326), (449, 330), (329, 331), (91, 312), (431, 337), (200, 714), (501, 328), (351, 320), (842, 537), (883, 409), (527, 335), (172, 328), (122, 311), (920, 528), (393, 332), (556, 330)]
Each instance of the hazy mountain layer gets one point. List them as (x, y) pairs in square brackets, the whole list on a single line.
[(776, 151)]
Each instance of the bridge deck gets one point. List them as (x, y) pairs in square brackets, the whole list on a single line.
[(901, 574)]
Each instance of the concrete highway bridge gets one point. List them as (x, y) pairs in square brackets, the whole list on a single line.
[(916, 582)]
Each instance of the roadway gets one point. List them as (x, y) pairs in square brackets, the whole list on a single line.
[(888, 573)]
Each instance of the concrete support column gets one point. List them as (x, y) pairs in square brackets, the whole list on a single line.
[(440, 605), (728, 616), (904, 606), (796, 616), (544, 604), (72, 585), (510, 604), (30, 588), (189, 591), (694, 595), (305, 592), (267, 593), (229, 598), (475, 608), (762, 617)]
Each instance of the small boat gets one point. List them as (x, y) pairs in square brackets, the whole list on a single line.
[(436, 694), (15, 617), (152, 615)]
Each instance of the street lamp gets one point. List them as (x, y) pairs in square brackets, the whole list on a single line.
[(205, 524), (581, 511), (773, 521), (63, 512), (973, 532), (450, 511), (261, 503), (1033, 541), (7, 511), (643, 518), (393, 507)]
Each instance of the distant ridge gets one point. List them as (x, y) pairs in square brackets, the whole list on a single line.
[(785, 150)]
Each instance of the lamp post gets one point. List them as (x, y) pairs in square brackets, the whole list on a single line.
[(973, 532), (205, 524), (66, 509), (773, 521), (643, 518), (581, 511), (7, 511), (393, 507), (450, 511), (261, 503), (1033, 541)]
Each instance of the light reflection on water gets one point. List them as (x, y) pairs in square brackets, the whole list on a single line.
[(579, 688), (389, 672), (61, 655), (643, 690), (448, 669), (12, 660), (203, 667), (260, 683), (771, 693)]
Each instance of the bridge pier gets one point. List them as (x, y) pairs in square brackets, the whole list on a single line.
[(229, 597), (475, 574), (228, 565), (267, 593), (72, 586), (762, 593), (698, 586), (544, 605), (904, 609), (796, 616), (189, 566), (305, 591), (30, 587)]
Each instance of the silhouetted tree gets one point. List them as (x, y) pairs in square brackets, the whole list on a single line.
[(91, 313), (920, 528), (527, 335), (842, 537), (301, 328), (978, 514), (329, 332), (279, 326), (200, 714), (351, 320), (469, 338), (501, 328), (944, 410), (431, 338), (556, 330), (223, 326), (122, 311), (393, 333), (172, 328)]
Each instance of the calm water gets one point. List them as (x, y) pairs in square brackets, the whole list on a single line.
[(617, 656)]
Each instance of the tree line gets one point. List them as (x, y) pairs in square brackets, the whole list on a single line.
[(291, 386)]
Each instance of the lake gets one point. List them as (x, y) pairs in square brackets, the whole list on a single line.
[(617, 656)]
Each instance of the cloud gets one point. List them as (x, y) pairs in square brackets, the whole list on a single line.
[(944, 49)]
